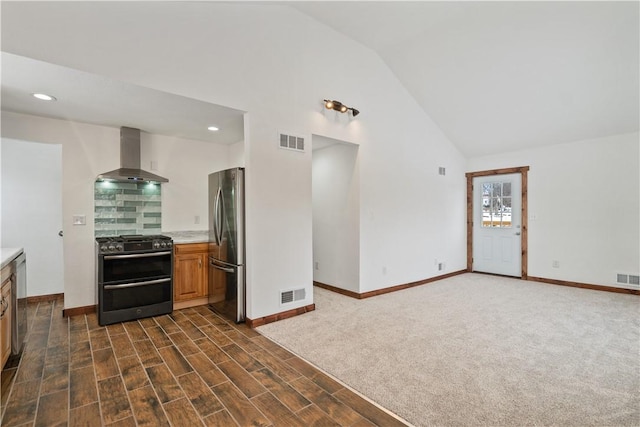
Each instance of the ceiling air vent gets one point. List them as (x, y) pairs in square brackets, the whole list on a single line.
[(291, 142), (292, 295)]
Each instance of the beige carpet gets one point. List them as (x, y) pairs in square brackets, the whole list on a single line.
[(480, 350)]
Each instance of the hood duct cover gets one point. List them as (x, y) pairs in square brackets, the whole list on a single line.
[(129, 170)]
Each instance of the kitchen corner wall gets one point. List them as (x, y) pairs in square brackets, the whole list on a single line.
[(88, 150), (187, 164)]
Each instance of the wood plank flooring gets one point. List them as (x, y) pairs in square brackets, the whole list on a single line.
[(189, 368)]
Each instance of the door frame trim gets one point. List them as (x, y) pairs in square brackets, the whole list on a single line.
[(523, 171)]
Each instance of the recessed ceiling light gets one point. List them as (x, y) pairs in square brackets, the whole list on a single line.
[(213, 128), (43, 97)]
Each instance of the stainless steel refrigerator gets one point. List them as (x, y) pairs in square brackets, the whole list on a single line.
[(226, 243)]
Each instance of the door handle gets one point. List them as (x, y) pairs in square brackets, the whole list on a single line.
[(142, 255), (216, 216), (60, 233), (219, 267), (222, 213), (136, 284)]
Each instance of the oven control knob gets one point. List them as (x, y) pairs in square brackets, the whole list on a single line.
[(119, 247), (163, 244), (103, 248), (112, 248), (156, 245), (169, 244)]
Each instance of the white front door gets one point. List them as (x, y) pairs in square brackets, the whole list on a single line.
[(497, 221)]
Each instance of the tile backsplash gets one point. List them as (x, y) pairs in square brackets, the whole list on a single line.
[(127, 208)]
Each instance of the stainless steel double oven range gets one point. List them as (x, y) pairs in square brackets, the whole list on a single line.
[(134, 275)]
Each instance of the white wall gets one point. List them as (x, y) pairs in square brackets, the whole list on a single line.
[(88, 150), (272, 61), (583, 207), (236, 155), (187, 164), (336, 215), (32, 210)]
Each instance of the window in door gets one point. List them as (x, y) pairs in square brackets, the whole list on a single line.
[(496, 204)]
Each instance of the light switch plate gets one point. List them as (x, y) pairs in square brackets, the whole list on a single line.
[(79, 220)]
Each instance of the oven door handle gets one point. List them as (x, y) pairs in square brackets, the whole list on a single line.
[(144, 255), (136, 284)]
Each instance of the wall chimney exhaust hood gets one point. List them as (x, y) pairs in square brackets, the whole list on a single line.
[(129, 170)]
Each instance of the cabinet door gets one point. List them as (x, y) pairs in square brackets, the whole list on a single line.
[(5, 323), (190, 276)]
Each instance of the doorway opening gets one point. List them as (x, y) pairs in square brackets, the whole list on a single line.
[(336, 213), (497, 212), (32, 211)]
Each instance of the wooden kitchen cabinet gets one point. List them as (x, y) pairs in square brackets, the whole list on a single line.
[(190, 274), (5, 320)]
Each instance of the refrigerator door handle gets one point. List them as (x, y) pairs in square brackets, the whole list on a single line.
[(219, 267), (216, 215), (221, 212)]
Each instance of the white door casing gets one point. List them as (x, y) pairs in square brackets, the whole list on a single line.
[(497, 224)]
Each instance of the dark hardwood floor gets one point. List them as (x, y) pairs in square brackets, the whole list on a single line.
[(185, 369)]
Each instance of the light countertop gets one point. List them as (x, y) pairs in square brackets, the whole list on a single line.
[(183, 237), (9, 254)]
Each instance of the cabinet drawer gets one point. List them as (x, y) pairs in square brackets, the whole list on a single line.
[(191, 248)]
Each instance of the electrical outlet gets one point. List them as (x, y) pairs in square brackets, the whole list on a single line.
[(316, 265), (384, 270), (196, 219), (555, 264)]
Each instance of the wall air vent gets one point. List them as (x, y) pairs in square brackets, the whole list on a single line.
[(292, 295), (291, 142), (628, 279)]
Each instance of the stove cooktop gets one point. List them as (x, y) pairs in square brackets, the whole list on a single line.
[(128, 243)]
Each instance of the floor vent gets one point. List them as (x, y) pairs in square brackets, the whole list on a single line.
[(628, 279), (291, 142), (292, 295)]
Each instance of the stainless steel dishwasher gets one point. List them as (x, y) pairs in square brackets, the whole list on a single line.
[(19, 304)]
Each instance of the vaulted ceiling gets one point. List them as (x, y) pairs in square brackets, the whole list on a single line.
[(503, 76)]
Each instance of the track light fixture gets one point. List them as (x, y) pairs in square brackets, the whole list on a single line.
[(339, 106)]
